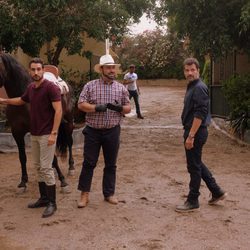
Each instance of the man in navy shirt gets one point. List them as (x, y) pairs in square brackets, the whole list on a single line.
[(195, 119)]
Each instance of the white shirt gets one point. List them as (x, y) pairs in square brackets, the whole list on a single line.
[(133, 77)]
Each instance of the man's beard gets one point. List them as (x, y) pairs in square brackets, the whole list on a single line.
[(111, 77), (37, 78), (192, 78)]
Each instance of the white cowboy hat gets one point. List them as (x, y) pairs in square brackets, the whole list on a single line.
[(105, 60)]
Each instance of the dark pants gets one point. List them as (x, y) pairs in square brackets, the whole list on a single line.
[(94, 139), (134, 94), (197, 169)]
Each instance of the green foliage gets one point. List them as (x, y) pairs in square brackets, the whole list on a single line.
[(208, 26), (30, 23), (75, 79), (237, 92), (156, 54), (206, 72)]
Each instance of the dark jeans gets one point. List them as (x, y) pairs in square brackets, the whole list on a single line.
[(134, 94), (197, 169), (94, 139)]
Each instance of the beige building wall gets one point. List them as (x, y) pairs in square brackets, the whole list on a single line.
[(73, 62)]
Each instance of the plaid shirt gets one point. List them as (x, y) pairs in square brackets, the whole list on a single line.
[(98, 92)]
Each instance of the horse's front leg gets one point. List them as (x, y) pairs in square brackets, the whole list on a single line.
[(59, 172), (23, 160), (71, 171)]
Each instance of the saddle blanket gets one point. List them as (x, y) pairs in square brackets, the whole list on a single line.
[(57, 81)]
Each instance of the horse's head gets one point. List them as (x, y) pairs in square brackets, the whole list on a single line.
[(13, 76)]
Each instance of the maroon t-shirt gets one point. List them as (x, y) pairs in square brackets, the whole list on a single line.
[(41, 109)]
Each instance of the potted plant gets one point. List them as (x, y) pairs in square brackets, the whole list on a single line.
[(241, 125)]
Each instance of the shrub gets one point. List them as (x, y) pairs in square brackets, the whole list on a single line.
[(237, 93), (206, 72)]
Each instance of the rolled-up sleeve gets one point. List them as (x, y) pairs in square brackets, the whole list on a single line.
[(84, 96), (201, 102)]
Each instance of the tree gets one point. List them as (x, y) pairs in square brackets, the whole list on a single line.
[(156, 54), (210, 26), (32, 23)]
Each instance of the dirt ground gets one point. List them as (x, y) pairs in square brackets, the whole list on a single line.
[(151, 180)]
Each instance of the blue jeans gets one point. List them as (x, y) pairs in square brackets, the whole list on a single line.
[(134, 94), (197, 169), (94, 140)]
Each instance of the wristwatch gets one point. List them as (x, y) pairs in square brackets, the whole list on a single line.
[(53, 133)]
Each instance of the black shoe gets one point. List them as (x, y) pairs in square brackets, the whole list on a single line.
[(140, 116), (49, 210), (215, 199), (39, 203), (187, 207)]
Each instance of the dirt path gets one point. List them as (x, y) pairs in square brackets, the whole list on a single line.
[(152, 179)]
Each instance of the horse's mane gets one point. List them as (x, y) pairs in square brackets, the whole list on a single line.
[(15, 76)]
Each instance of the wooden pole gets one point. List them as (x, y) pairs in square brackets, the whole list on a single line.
[(107, 46)]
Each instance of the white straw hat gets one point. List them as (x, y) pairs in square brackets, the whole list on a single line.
[(105, 60)]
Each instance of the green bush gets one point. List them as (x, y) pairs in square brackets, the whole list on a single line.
[(237, 93), (168, 72), (206, 72)]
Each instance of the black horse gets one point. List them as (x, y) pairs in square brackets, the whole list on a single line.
[(15, 80)]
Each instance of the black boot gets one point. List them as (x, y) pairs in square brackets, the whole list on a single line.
[(51, 207), (43, 200), (139, 116)]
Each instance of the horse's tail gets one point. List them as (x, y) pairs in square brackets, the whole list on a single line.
[(61, 143), (64, 138)]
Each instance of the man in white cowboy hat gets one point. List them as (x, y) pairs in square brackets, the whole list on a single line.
[(105, 101)]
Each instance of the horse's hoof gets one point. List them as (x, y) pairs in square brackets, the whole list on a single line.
[(64, 184), (22, 184), (21, 190), (65, 189), (71, 172)]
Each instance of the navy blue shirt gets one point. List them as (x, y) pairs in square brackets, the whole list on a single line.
[(196, 104)]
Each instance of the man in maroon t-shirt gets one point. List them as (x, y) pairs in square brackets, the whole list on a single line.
[(44, 98)]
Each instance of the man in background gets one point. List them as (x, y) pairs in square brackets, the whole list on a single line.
[(130, 80)]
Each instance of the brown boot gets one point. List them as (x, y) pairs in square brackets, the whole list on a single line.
[(84, 199), (111, 199)]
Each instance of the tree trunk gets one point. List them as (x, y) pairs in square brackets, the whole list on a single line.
[(55, 58)]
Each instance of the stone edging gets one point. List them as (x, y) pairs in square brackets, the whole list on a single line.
[(8, 144)]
